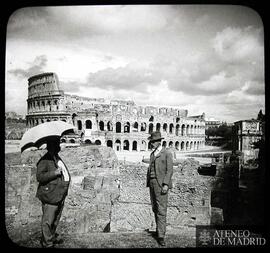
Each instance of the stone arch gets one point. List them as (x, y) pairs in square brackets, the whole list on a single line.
[(118, 145), (143, 146), (72, 141), (151, 118), (109, 126), (187, 130), (126, 145), (101, 126), (177, 145), (109, 143), (171, 128), (165, 127), (158, 127), (134, 145), (79, 124), (177, 130), (88, 124), (191, 145), (143, 126), (171, 144), (150, 128), (191, 129), (198, 145), (187, 145), (98, 142), (183, 128), (127, 127), (87, 141), (164, 144), (118, 127), (182, 145), (135, 126)]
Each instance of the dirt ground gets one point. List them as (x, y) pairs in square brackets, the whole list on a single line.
[(181, 239)]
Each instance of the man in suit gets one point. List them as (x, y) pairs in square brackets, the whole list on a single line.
[(54, 179), (159, 181)]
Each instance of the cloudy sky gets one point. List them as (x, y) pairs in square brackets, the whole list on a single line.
[(202, 58)]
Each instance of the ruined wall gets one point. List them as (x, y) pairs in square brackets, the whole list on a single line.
[(102, 121), (105, 195)]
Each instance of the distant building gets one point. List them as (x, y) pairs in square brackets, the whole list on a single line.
[(212, 123), (119, 124), (245, 133)]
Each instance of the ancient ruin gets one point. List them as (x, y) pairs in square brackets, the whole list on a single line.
[(119, 124)]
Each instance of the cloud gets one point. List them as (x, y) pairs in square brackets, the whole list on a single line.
[(131, 77), (36, 67)]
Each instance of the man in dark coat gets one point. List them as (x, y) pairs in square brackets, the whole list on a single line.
[(54, 179), (159, 181)]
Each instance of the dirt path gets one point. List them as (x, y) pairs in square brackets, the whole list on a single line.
[(182, 239)]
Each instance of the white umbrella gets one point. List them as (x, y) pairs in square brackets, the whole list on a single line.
[(38, 135)]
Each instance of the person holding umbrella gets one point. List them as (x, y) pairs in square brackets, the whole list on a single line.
[(52, 175), (54, 179)]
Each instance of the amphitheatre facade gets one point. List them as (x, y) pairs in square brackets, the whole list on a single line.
[(119, 124)]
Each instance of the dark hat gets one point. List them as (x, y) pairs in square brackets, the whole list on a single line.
[(155, 136)]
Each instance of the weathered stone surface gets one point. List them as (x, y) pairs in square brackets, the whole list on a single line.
[(105, 195)]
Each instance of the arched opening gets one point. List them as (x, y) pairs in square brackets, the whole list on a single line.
[(150, 128), (195, 145), (88, 124), (170, 144), (182, 145), (177, 145), (191, 145), (164, 144), (158, 127), (134, 145), (191, 129), (109, 126), (79, 124), (98, 142), (118, 127), (177, 119), (109, 143), (101, 126), (87, 141), (74, 115), (182, 130), (126, 145), (143, 126), (63, 141), (151, 118), (198, 145), (143, 146), (187, 145), (135, 127), (72, 141), (177, 130), (171, 128), (127, 127), (165, 127), (118, 145), (187, 130)]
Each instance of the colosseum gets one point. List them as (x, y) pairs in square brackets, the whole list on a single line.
[(119, 124)]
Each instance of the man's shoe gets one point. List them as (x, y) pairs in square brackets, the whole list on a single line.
[(161, 241)]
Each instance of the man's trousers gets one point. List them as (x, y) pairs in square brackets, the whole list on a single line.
[(50, 219), (159, 206)]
